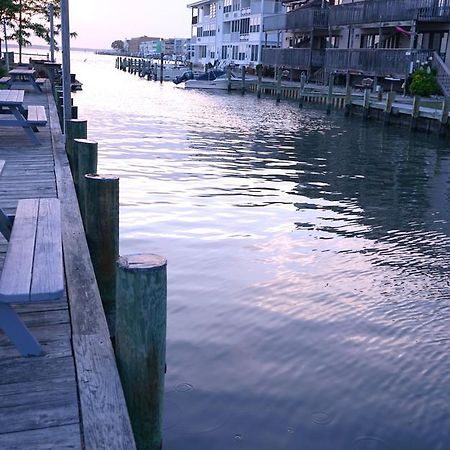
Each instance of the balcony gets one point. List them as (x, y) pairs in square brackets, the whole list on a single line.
[(375, 11), (296, 58), (275, 23), (306, 19), (375, 62)]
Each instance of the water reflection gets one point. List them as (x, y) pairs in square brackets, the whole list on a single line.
[(308, 265)]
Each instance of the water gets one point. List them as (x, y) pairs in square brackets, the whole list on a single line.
[(309, 305)]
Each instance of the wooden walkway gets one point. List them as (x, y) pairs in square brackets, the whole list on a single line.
[(71, 398)]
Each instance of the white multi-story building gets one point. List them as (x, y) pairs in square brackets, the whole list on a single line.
[(230, 31)]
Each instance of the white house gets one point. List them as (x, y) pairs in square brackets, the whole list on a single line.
[(230, 31)]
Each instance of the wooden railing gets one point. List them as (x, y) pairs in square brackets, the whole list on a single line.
[(299, 58), (307, 19), (372, 11), (274, 23), (379, 62), (442, 74)]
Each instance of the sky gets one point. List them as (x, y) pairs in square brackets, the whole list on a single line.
[(100, 22)]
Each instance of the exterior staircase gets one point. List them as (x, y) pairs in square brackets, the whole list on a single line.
[(443, 74)]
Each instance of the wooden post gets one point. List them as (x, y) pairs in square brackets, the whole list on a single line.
[(75, 129), (330, 92), (415, 112), (388, 108), (380, 94), (74, 112), (229, 78), (366, 106), (141, 343), (243, 79), (87, 154), (258, 85), (444, 117), (161, 75), (348, 99), (278, 73), (102, 234), (302, 89)]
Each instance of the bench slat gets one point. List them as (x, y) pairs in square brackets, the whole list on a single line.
[(15, 284), (48, 283), (36, 115)]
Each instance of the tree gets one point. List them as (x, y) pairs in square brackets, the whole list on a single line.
[(8, 10), (118, 45)]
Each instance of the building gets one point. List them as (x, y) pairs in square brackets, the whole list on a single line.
[(377, 38), (230, 31), (152, 48), (132, 46), (176, 48)]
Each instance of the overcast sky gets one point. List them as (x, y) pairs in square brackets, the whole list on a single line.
[(99, 22)]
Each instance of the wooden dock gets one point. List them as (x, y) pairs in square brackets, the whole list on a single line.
[(71, 398)]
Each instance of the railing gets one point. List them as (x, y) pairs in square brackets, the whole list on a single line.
[(301, 58), (373, 11), (275, 23), (379, 62), (442, 74), (307, 19)]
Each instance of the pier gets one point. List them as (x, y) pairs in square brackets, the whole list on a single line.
[(72, 397)]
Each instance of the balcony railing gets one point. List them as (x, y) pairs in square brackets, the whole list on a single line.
[(373, 11), (298, 58), (380, 62), (307, 19), (274, 23)]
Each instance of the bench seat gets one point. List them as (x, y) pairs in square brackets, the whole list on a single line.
[(41, 80), (37, 115)]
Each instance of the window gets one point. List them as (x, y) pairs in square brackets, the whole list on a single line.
[(199, 31), (235, 26), (227, 6), (224, 52), (236, 5), (242, 53), (234, 52), (213, 10), (255, 24), (254, 50), (202, 51), (245, 26)]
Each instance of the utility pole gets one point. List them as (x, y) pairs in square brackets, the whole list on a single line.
[(65, 44)]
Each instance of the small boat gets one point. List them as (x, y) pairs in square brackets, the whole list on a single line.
[(213, 79)]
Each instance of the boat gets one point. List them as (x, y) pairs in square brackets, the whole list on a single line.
[(213, 79)]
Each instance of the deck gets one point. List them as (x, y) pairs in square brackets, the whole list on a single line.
[(71, 398)]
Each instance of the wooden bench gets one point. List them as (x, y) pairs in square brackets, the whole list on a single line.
[(36, 115), (33, 268), (41, 80), (5, 80)]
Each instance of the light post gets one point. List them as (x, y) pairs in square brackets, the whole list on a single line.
[(65, 44)]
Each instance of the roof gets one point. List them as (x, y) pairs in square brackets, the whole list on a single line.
[(201, 2)]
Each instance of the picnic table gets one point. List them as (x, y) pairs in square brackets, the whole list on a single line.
[(25, 76), (11, 103)]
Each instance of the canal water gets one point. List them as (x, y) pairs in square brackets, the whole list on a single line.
[(308, 263)]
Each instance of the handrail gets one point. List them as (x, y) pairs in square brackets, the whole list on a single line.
[(442, 74)]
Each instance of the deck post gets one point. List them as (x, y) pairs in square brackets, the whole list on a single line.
[(415, 112), (444, 117), (302, 89), (75, 129), (330, 92), (366, 105), (102, 234), (87, 154), (388, 108), (243, 79), (141, 342), (258, 85)]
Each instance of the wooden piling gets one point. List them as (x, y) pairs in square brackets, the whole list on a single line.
[(258, 85), (388, 108), (415, 112), (366, 105), (74, 112), (330, 93), (229, 78), (161, 75), (243, 79), (87, 154), (302, 90), (141, 343), (278, 72), (75, 129), (102, 234), (444, 117)]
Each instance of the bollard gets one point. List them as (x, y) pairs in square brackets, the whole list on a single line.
[(102, 234), (141, 343), (75, 129), (87, 154)]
